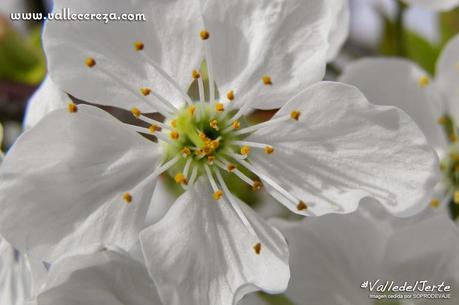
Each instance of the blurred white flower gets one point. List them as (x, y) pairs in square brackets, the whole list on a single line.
[(435, 5), (432, 103), (332, 256)]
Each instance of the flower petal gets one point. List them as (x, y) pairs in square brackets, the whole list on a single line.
[(61, 184), (340, 28), (125, 53), (343, 149), (287, 40), (103, 278), (202, 253), (47, 98), (436, 5), (396, 82), (447, 77)]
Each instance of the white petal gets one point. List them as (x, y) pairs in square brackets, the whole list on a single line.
[(285, 39), (340, 28), (435, 5), (447, 78), (395, 82), (171, 40), (61, 184), (343, 149), (162, 200), (201, 253), (47, 98), (103, 278)]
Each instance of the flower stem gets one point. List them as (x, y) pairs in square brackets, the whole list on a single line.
[(400, 28)]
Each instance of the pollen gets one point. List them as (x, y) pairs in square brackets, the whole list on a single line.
[(195, 74), (202, 136), (456, 197), (218, 195), (72, 107), (138, 46), (435, 203), (90, 62), (127, 197), (191, 109), (301, 206), (245, 150), (453, 138), (136, 112), (230, 95), (180, 179), (214, 144), (186, 152), (295, 115), (236, 125), (257, 185), (257, 248), (219, 107), (441, 120), (268, 150), (174, 135), (210, 160), (424, 81), (145, 91), (214, 124), (204, 35), (153, 128), (174, 123), (266, 79)]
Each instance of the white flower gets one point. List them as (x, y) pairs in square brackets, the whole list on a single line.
[(332, 256), (434, 5), (432, 103), (80, 177)]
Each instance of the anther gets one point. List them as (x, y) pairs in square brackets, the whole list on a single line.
[(153, 128), (127, 197), (186, 152), (214, 124), (424, 81), (257, 248), (191, 109), (202, 136), (456, 197), (435, 203), (195, 74), (218, 195), (181, 179), (245, 150), (138, 46), (268, 150), (266, 79), (453, 138), (145, 91), (214, 144), (219, 107), (174, 135), (174, 123), (136, 112), (230, 167), (210, 160), (230, 95), (301, 206), (204, 35), (257, 185), (72, 107), (90, 62), (441, 120), (236, 125), (295, 115)]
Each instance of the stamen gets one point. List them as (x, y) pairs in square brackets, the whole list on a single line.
[(245, 150), (138, 46), (204, 35), (424, 81), (174, 135), (145, 91), (195, 74), (269, 123), (136, 112), (442, 120), (295, 115), (301, 206), (230, 167), (191, 109), (180, 179), (266, 79), (227, 165), (230, 95), (127, 197), (202, 97), (218, 195), (456, 197), (219, 107), (90, 62), (257, 248), (257, 185), (210, 160), (186, 152), (153, 128), (194, 174), (187, 167), (174, 123), (144, 130), (268, 150), (435, 203), (214, 124), (72, 107)]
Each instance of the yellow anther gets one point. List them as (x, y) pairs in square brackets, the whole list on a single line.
[(257, 185), (257, 248), (214, 144), (202, 136), (218, 195), (442, 167), (153, 128), (454, 156), (136, 112), (236, 125), (230, 95), (245, 150), (145, 91), (186, 152), (453, 138), (266, 79), (295, 115), (210, 160), (204, 35), (138, 46), (456, 197), (191, 109), (214, 124), (424, 81), (181, 179), (174, 135), (219, 107), (195, 74), (127, 197), (301, 206), (268, 150), (435, 203), (90, 62), (72, 107), (230, 167), (441, 120), (174, 123)]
